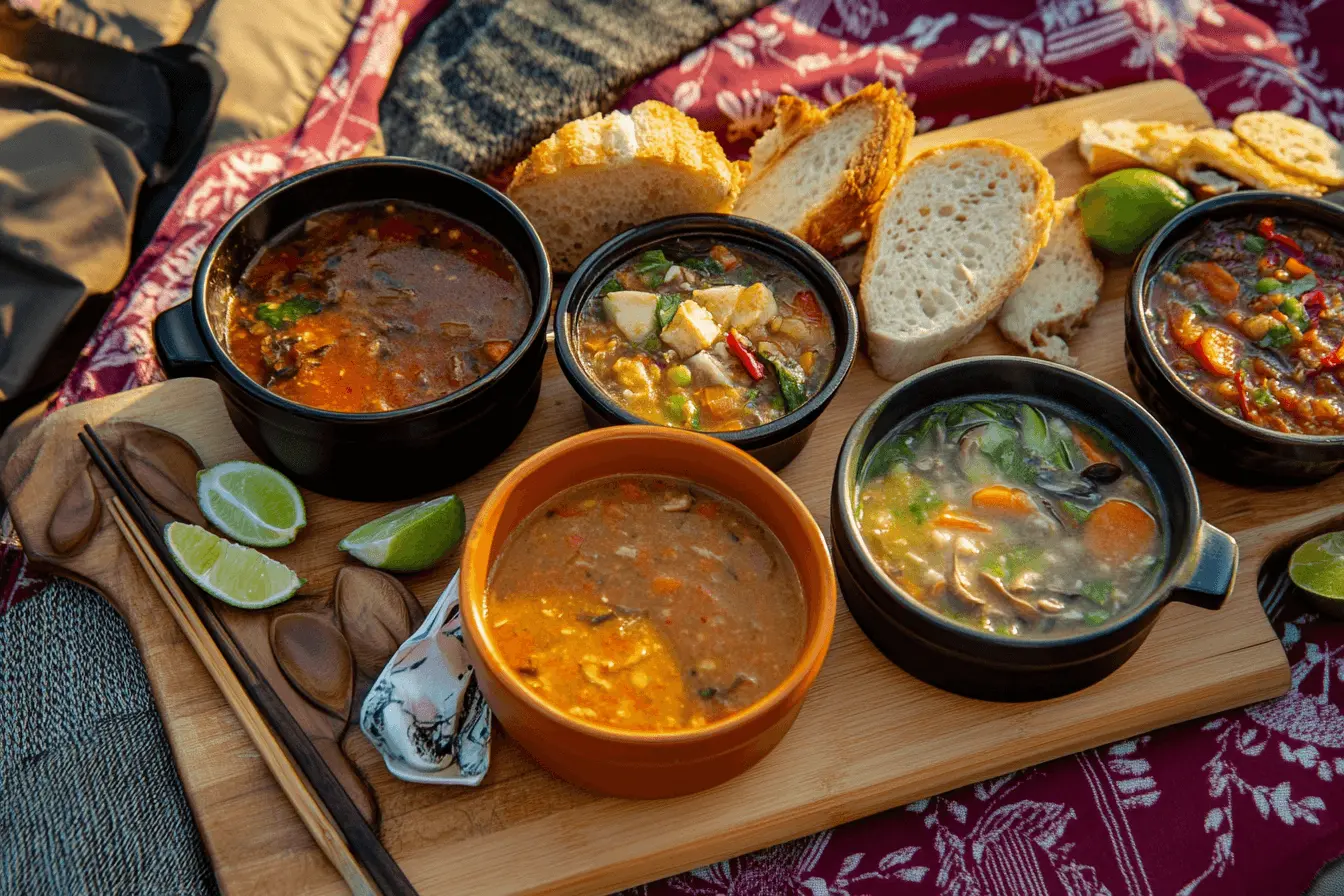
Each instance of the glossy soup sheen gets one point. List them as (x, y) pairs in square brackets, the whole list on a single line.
[(1248, 313), (1010, 517), (376, 306), (706, 336), (646, 603)]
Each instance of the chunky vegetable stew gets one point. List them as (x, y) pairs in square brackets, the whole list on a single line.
[(1011, 517), (713, 337), (1249, 315), (646, 603), (376, 306)]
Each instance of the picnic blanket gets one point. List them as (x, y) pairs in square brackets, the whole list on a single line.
[(1249, 802)]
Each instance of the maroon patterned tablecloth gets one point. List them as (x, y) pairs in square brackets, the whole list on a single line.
[(1250, 802)]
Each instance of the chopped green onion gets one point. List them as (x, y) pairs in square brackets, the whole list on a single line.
[(1262, 398)]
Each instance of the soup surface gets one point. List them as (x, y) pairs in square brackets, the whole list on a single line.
[(1010, 517), (706, 336), (376, 306), (646, 603), (1249, 315)]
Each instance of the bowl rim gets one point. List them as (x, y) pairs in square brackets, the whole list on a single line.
[(536, 324), (733, 229), (1240, 202), (844, 485), (808, 662)]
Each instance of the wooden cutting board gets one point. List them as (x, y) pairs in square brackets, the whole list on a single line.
[(869, 737)]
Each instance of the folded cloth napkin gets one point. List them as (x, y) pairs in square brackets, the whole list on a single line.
[(487, 80)]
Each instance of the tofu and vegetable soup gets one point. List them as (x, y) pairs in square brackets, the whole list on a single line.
[(1011, 517), (646, 603), (1248, 312), (706, 336), (376, 306)]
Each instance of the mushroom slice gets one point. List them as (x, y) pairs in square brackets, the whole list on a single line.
[(1050, 605), (1021, 607), (957, 585)]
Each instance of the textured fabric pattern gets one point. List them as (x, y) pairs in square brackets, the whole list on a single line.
[(487, 80)]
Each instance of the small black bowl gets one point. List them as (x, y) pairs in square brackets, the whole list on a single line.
[(1219, 444), (390, 454), (1200, 567), (773, 444)]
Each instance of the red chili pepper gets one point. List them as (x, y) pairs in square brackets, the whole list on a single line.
[(1242, 397), (1266, 229), (1333, 360), (740, 349), (805, 304), (1314, 302)]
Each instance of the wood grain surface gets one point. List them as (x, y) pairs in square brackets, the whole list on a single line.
[(868, 738)]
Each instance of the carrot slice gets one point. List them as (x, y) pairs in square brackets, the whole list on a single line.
[(1093, 453), (1184, 328), (1217, 351), (1118, 531), (1215, 279), (1296, 269), (1001, 498), (951, 520)]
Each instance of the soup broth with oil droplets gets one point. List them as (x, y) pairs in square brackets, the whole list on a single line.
[(646, 603), (1011, 517)]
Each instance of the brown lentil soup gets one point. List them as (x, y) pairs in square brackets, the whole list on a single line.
[(376, 306), (1248, 312), (646, 603)]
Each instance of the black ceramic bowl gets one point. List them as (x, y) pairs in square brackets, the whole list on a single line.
[(1224, 446), (774, 444), (1200, 566), (390, 454)]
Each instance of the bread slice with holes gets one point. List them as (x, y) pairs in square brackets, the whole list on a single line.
[(1108, 146), (1058, 294), (819, 174), (1294, 145), (957, 233), (604, 174), (1228, 154)]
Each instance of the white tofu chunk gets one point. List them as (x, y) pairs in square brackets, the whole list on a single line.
[(755, 306), (691, 329), (720, 302), (707, 371), (634, 313)]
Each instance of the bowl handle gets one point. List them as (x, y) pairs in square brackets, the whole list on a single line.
[(1215, 568), (178, 342)]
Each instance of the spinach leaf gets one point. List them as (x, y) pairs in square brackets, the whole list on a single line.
[(1299, 286), (1096, 617), (1277, 337), (743, 275), (923, 502), (652, 267), (889, 453), (667, 307), (1201, 309), (612, 285), (1078, 512), (281, 315), (1099, 592), (705, 265), (1253, 243)]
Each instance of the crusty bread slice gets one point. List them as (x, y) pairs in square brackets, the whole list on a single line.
[(819, 174), (1108, 146), (600, 175), (1294, 145), (1058, 294), (957, 233), (1225, 152)]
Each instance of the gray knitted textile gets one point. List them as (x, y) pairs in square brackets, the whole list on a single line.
[(488, 79), (90, 801)]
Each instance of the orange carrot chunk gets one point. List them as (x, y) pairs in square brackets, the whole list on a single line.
[(1001, 498), (951, 520), (1215, 279), (1217, 352), (1119, 531), (1296, 269)]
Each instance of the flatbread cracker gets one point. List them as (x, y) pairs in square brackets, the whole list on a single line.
[(1297, 146)]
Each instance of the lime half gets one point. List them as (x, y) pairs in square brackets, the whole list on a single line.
[(251, 503), (236, 575), (1318, 566), (1123, 209), (410, 539)]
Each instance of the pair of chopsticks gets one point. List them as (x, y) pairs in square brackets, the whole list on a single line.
[(321, 802)]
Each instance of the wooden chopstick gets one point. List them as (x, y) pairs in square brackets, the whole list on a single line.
[(321, 802)]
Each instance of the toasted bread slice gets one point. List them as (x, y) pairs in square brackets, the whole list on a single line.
[(1225, 152), (957, 233), (1108, 146), (600, 175), (1296, 146), (819, 174), (1059, 293)]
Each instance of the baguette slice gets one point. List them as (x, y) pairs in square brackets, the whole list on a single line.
[(1059, 293), (1294, 145), (957, 233), (1225, 152), (1108, 146), (604, 174), (819, 174)]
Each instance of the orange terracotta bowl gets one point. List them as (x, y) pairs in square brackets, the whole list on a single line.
[(612, 760)]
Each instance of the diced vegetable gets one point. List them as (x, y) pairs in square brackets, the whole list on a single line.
[(680, 409), (1267, 285), (722, 402), (1002, 499), (691, 329), (497, 350), (1120, 531), (281, 315), (1266, 230), (1185, 330), (1215, 279), (1296, 312), (1277, 337), (720, 302), (679, 375), (633, 313), (1296, 269), (741, 349), (725, 257), (1217, 351)]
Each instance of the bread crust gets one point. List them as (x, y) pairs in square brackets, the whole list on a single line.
[(832, 227), (1225, 152)]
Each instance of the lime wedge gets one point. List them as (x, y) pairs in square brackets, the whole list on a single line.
[(1318, 565), (236, 575), (410, 539), (251, 503)]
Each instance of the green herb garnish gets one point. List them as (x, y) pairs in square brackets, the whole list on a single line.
[(705, 265), (1299, 286), (282, 314), (924, 502), (667, 307), (1277, 337), (1096, 617), (652, 267), (1201, 309), (1099, 592), (1262, 398), (1253, 243), (1077, 512), (612, 285)]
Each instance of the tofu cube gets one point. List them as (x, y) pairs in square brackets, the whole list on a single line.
[(755, 306), (720, 302), (634, 313), (691, 329)]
